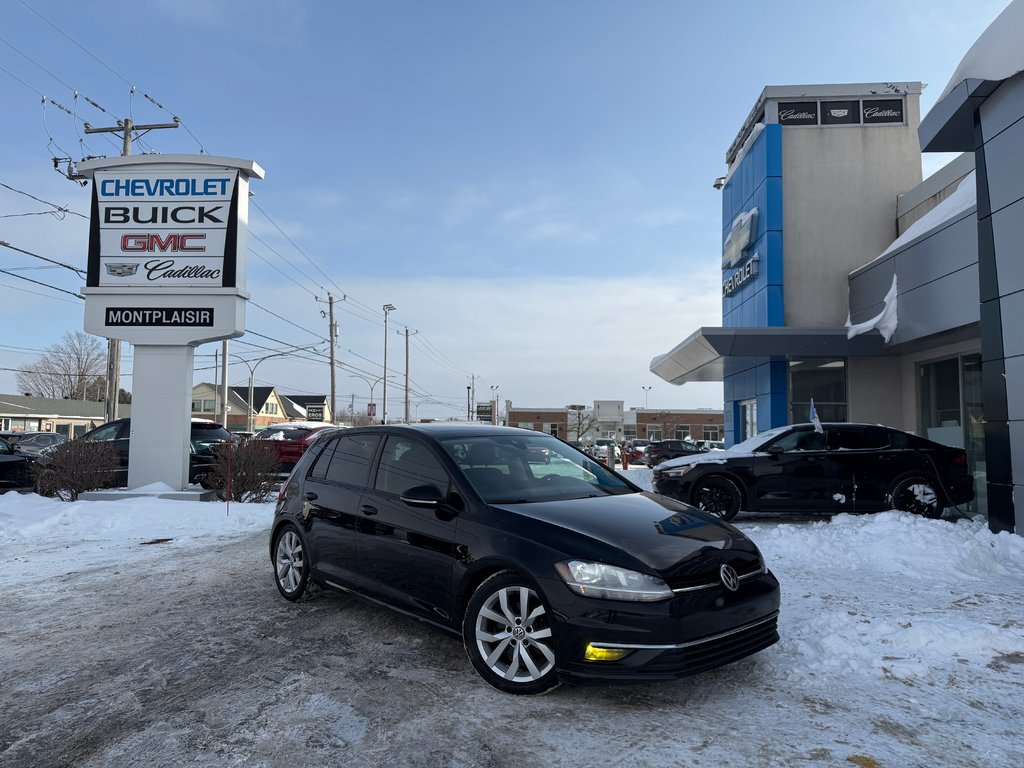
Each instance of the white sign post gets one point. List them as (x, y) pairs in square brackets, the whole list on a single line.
[(166, 272)]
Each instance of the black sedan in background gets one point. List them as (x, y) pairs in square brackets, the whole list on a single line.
[(204, 437), (663, 450), (15, 468), (550, 568), (32, 443), (842, 468)]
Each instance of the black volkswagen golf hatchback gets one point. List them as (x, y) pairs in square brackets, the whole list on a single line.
[(549, 569), (844, 467)]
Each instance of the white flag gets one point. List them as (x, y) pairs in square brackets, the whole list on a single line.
[(814, 418)]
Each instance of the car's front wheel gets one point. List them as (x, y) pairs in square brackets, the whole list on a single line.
[(916, 495), (508, 634), (717, 495), (291, 563)]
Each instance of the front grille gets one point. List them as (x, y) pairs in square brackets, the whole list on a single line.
[(712, 652), (709, 579)]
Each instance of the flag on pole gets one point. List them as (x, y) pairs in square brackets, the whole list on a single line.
[(814, 418)]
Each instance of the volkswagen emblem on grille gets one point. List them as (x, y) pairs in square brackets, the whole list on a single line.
[(122, 270), (729, 577)]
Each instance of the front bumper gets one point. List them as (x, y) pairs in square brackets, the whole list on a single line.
[(685, 635)]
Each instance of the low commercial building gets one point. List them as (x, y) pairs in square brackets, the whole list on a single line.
[(70, 418)]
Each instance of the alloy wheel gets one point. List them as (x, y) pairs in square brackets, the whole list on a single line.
[(513, 635)]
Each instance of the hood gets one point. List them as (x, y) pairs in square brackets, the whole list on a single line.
[(656, 533), (711, 457)]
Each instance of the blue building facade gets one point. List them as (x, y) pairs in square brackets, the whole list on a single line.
[(755, 391)]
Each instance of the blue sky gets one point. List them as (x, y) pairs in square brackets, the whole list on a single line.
[(529, 182)]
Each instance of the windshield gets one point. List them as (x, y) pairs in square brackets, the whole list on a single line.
[(753, 444), (514, 469)]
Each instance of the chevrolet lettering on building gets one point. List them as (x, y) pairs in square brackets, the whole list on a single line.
[(163, 316)]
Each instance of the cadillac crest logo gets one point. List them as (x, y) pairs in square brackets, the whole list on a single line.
[(122, 270)]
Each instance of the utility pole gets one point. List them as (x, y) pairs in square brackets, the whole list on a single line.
[(126, 128), (407, 373), (224, 407), (332, 336), (388, 308)]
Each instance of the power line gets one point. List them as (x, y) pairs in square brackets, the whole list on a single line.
[(45, 285), (57, 208), (285, 319), (5, 244), (271, 220)]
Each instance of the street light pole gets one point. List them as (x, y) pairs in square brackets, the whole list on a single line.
[(646, 390), (370, 384), (494, 404), (388, 308), (252, 375)]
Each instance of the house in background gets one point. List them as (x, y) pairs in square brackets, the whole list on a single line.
[(268, 407), (70, 418)]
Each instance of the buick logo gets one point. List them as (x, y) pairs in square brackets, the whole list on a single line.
[(729, 577), (122, 270)]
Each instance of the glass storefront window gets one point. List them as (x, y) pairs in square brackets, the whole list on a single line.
[(950, 412), (822, 379), (748, 419)]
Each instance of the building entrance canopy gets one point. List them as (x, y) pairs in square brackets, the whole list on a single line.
[(703, 356)]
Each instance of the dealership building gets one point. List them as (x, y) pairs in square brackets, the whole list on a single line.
[(850, 281)]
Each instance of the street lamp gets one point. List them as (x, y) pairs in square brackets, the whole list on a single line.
[(646, 390), (370, 383), (387, 309), (494, 400), (252, 374)]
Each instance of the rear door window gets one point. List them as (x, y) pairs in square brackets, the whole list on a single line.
[(407, 464), (351, 458)]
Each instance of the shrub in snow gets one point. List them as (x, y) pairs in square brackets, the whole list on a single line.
[(75, 467), (246, 471)]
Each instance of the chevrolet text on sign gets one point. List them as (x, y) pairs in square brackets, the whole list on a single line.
[(164, 228)]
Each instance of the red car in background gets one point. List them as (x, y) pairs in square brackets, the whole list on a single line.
[(291, 439)]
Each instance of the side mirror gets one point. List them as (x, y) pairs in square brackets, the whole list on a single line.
[(774, 450), (427, 496)]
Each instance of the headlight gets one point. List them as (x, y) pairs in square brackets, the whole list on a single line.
[(611, 583), (676, 471)]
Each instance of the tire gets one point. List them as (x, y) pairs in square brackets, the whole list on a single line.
[(291, 565), (917, 495), (718, 496), (508, 634)]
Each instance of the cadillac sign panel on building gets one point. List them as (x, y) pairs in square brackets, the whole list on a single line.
[(174, 228)]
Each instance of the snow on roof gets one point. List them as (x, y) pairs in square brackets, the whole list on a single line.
[(962, 200), (997, 54)]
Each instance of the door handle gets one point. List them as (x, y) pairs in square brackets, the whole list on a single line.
[(311, 496), (366, 509)]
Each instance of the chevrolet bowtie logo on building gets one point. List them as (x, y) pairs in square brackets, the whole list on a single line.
[(122, 270)]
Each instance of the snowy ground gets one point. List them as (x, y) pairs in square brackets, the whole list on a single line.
[(902, 645)]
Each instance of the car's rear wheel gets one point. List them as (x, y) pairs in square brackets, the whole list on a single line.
[(717, 495), (508, 634), (917, 495), (291, 564)]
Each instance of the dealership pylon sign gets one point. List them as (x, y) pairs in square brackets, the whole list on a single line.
[(166, 271)]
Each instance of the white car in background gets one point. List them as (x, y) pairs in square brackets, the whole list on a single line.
[(601, 446)]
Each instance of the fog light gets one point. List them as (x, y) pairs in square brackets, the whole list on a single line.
[(593, 653)]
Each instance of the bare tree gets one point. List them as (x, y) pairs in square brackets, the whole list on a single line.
[(581, 421), (72, 369)]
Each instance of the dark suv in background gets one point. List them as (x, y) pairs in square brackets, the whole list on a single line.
[(670, 449), (205, 437)]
